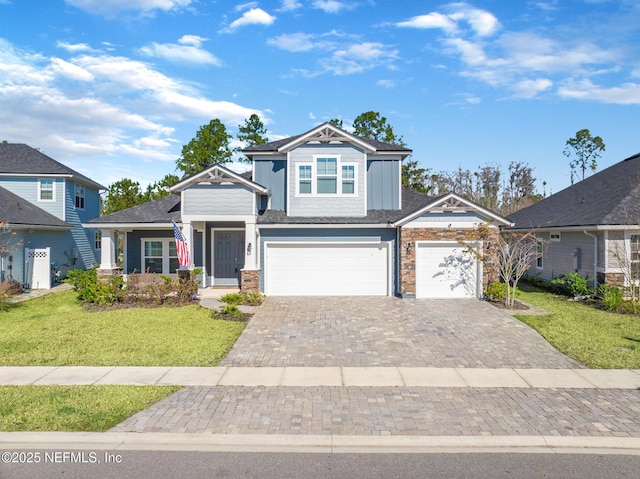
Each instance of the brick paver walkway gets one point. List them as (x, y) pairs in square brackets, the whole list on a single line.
[(382, 331)]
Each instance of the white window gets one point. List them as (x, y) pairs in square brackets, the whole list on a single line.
[(348, 179), (305, 179), (79, 196), (327, 176), (159, 256), (555, 237), (540, 257), (98, 240), (46, 190)]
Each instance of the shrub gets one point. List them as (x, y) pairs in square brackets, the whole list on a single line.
[(6, 291), (103, 293), (233, 299), (254, 298), (611, 297), (497, 292), (575, 284)]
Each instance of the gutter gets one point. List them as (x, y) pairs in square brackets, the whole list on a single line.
[(595, 258)]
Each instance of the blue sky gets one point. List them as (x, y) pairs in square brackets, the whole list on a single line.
[(114, 88)]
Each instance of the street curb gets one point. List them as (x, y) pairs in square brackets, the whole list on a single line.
[(319, 443)]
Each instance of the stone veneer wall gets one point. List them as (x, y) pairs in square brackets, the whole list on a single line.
[(408, 258), (250, 280)]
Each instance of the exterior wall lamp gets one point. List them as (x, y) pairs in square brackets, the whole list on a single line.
[(409, 247), (248, 249)]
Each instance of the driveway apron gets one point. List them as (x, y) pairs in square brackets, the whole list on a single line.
[(384, 331)]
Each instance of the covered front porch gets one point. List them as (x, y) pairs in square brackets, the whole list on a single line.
[(225, 252)]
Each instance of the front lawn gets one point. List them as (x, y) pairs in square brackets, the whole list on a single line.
[(598, 339), (56, 331), (74, 408)]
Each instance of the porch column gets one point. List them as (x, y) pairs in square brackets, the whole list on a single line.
[(250, 247), (187, 234), (107, 249)]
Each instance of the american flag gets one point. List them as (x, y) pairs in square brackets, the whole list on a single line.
[(181, 247)]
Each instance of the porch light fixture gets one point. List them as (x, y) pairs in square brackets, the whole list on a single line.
[(409, 247), (248, 249)]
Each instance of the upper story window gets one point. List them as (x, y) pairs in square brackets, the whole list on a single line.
[(46, 191), (326, 176), (79, 196)]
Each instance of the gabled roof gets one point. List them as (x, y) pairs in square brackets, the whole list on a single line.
[(326, 133), (160, 212), (18, 159), (609, 197), (19, 212), (219, 174), (451, 202)]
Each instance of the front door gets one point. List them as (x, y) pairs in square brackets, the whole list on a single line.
[(228, 257)]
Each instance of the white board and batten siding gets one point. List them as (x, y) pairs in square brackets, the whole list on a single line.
[(328, 269)]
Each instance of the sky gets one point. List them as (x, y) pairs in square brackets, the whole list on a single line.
[(115, 88)]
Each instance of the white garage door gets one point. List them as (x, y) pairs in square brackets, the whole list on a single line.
[(327, 270), (445, 270)]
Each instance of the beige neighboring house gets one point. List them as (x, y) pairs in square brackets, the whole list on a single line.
[(591, 227)]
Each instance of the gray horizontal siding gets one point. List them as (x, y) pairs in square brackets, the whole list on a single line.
[(218, 200), (134, 247), (445, 218), (27, 188), (337, 206), (558, 257)]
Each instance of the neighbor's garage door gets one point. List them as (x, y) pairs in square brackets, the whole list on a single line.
[(445, 270), (327, 270)]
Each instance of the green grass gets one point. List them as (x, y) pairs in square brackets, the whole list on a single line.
[(73, 408), (56, 330), (598, 339)]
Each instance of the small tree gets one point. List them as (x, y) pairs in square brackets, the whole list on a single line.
[(511, 253), (583, 151)]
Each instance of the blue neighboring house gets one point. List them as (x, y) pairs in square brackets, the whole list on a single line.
[(44, 204), (321, 213)]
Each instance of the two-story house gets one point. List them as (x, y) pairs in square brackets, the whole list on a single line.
[(321, 213), (43, 204)]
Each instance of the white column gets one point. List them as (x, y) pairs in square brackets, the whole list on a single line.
[(187, 234), (107, 249), (250, 247)]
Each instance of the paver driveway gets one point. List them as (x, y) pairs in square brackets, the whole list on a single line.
[(384, 331)]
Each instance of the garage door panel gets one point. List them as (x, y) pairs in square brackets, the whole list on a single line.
[(445, 271), (318, 270)]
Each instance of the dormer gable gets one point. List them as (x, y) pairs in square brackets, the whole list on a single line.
[(218, 175)]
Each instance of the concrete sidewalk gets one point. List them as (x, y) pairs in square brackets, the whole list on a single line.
[(335, 444), (323, 376)]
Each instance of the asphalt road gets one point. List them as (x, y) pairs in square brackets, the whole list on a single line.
[(213, 465)]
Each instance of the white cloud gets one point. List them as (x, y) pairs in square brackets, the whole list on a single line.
[(386, 83), (626, 94), (70, 71), (331, 6), (290, 5), (187, 51), (294, 42), (113, 7), (359, 57), (430, 20), (74, 47), (255, 16), (531, 88)]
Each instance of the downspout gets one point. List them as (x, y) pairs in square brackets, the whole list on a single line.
[(595, 258)]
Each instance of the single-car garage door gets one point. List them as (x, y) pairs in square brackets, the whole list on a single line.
[(327, 269), (445, 270)]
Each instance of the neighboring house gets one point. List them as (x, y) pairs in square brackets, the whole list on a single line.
[(591, 227), (45, 203), (322, 213)]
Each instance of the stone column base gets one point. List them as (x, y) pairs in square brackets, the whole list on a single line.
[(250, 280)]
